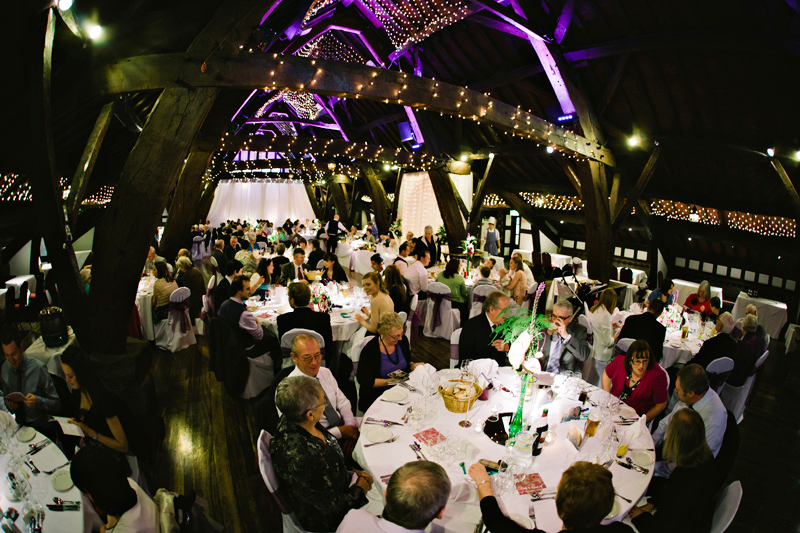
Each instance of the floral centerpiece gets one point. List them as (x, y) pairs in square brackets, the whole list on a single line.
[(360, 244), (525, 332), (441, 233), (671, 317), (321, 298), (396, 228), (468, 245)]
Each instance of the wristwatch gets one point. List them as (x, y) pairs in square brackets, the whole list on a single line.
[(482, 482)]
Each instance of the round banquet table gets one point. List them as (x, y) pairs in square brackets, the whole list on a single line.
[(463, 512), (679, 351), (47, 459)]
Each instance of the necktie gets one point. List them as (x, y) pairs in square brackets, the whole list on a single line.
[(554, 362), (299, 273), (331, 414)]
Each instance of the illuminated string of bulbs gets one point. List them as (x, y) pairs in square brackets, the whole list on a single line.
[(552, 201)]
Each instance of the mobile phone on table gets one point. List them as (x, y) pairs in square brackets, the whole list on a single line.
[(491, 466)]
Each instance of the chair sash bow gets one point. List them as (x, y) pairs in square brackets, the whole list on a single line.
[(437, 304), (178, 312)]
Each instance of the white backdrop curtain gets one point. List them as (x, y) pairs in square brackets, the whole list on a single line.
[(417, 204), (258, 200)]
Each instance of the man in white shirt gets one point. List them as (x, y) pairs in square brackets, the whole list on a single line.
[(528, 274), (417, 494), (416, 275), (338, 418), (693, 391)]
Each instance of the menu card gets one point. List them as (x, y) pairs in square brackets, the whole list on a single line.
[(531, 483), (431, 437)]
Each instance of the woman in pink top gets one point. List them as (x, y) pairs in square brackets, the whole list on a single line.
[(637, 380)]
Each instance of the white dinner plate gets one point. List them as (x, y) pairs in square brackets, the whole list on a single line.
[(449, 373), (378, 434), (614, 510), (643, 457), (522, 520), (61, 480), (627, 411), (395, 395), (25, 434)]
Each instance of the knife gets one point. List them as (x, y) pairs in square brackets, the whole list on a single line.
[(634, 467), (36, 448), (63, 507)]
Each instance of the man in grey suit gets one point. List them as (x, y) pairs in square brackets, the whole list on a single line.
[(565, 345), (295, 270)]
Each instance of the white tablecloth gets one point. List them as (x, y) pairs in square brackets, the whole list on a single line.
[(772, 315), (50, 357), (19, 280), (627, 294), (791, 338), (144, 302), (47, 459), (685, 288), (463, 513), (559, 260), (677, 351)]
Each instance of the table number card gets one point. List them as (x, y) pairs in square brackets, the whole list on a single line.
[(431, 437), (531, 483)]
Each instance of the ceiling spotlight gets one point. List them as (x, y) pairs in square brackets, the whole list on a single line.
[(64, 5), (690, 238), (386, 167), (94, 31), (634, 140), (331, 166), (463, 157), (550, 149), (797, 155), (771, 152), (561, 221)]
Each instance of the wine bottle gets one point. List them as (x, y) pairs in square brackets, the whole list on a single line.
[(542, 430)]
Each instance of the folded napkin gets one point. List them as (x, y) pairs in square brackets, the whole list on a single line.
[(7, 420), (487, 367), (420, 374), (641, 435), (531, 483)]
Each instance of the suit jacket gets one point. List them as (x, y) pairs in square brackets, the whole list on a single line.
[(289, 272), (230, 251), (475, 341), (314, 257), (304, 317), (221, 293), (720, 346), (645, 327), (432, 247), (221, 259), (573, 351)]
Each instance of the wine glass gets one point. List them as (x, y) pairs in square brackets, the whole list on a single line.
[(471, 380)]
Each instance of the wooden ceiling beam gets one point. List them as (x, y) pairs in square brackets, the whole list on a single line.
[(347, 80), (641, 184), (293, 120), (479, 197), (515, 201), (787, 182)]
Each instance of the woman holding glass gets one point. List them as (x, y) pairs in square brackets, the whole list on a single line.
[(700, 301), (386, 353), (637, 380)]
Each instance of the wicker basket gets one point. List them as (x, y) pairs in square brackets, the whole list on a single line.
[(460, 405)]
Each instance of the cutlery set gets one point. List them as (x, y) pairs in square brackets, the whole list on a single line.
[(630, 465), (64, 505), (36, 448), (379, 422)]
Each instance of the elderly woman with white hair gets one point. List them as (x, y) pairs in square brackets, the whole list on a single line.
[(308, 461), (750, 348), (384, 355), (700, 301)]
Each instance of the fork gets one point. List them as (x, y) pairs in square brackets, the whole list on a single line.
[(56, 468), (419, 458), (378, 423), (398, 403), (381, 442), (623, 497), (532, 514), (418, 448)]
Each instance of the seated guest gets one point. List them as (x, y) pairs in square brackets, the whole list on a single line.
[(720, 345), (333, 271), (183, 252), (604, 340), (233, 248), (381, 356), (458, 289), (663, 293), (308, 461), (302, 316), (428, 242), (397, 287), (192, 279), (376, 261), (637, 380), (686, 502), (266, 269), (529, 281), (380, 303), (162, 289), (693, 390), (585, 497), (219, 255), (152, 259), (416, 494), (30, 378), (700, 301), (223, 290), (400, 261), (296, 270), (315, 256), (476, 341), (513, 281), (748, 350), (234, 312), (248, 261), (491, 263), (280, 258), (484, 273), (737, 327), (368, 235), (104, 480), (646, 327), (416, 274), (716, 310), (566, 345), (85, 276), (338, 416)]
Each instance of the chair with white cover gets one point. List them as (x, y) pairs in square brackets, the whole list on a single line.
[(290, 522), (735, 398), (478, 297), (355, 356), (413, 316), (588, 365), (198, 249), (176, 333), (728, 501), (403, 316), (718, 371), (454, 339), (286, 344), (441, 319), (623, 345), (320, 264)]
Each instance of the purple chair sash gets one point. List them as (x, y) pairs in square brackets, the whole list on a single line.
[(437, 304), (477, 298), (416, 322), (177, 312)]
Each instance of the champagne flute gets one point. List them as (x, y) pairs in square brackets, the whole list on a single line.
[(466, 423)]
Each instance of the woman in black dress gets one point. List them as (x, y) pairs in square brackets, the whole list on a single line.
[(333, 270)]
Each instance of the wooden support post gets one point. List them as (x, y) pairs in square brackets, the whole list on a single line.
[(622, 210), (446, 193), (478, 198), (378, 194), (312, 197), (515, 201), (339, 193), (396, 201), (86, 164), (614, 196), (599, 245), (207, 198)]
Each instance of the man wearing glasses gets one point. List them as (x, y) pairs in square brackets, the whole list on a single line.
[(565, 345)]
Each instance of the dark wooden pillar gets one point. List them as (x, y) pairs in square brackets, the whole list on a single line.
[(378, 194), (339, 193), (312, 198), (445, 193), (599, 244), (206, 199), (478, 198)]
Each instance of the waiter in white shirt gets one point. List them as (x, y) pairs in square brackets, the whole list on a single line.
[(491, 238), (332, 229), (416, 275), (338, 418)]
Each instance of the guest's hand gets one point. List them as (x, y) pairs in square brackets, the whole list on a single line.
[(636, 511), (84, 427), (361, 473), (500, 346), (30, 400), (349, 432), (365, 311), (364, 483), (478, 473)]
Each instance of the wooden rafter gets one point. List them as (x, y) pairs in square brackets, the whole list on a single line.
[(319, 211), (515, 201), (377, 193), (347, 80), (294, 120), (787, 182), (445, 193), (479, 197), (638, 189)]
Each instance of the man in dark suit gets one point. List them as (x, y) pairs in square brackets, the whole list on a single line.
[(428, 242), (234, 247), (295, 269), (223, 290), (721, 345), (219, 255), (315, 256), (476, 336), (304, 317), (646, 327), (566, 345)]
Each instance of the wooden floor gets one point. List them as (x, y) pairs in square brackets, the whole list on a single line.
[(210, 443)]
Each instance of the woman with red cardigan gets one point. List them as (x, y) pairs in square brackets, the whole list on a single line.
[(637, 380)]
